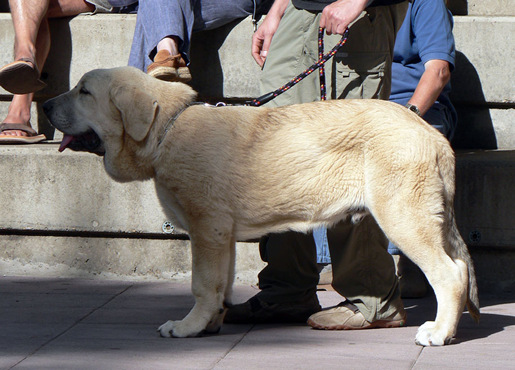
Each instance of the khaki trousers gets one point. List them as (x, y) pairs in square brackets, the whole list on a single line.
[(363, 271)]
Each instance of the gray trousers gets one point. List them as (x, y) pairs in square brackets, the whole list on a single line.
[(158, 19), (363, 271)]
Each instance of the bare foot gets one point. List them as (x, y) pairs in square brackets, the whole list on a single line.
[(15, 132), (18, 112)]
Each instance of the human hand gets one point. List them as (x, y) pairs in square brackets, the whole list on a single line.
[(337, 16), (261, 40), (263, 36)]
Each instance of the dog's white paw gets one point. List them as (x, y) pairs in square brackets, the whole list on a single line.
[(429, 335), (177, 329)]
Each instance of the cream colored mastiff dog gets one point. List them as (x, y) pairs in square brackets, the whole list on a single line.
[(235, 173)]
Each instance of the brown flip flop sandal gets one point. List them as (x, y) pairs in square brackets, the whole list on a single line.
[(32, 137), (20, 77)]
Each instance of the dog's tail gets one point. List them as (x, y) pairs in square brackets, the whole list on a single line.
[(462, 253), (456, 244)]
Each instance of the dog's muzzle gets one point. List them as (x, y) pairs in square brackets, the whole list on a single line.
[(87, 141)]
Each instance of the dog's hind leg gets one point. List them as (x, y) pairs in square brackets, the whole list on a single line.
[(421, 236), (423, 243), (412, 201), (211, 259), (449, 282), (454, 281)]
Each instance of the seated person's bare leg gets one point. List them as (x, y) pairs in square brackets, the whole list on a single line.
[(32, 43), (27, 16)]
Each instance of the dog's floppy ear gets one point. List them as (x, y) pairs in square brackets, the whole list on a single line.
[(137, 108)]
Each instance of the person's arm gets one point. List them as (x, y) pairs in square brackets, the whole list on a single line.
[(436, 75), (337, 16), (432, 27), (263, 36)]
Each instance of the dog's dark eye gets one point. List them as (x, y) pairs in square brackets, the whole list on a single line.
[(84, 91)]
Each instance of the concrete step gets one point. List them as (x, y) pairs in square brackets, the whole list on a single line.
[(69, 193), (480, 127), (481, 7), (111, 257), (87, 42), (484, 97), (484, 49), (61, 213), (103, 41), (485, 200)]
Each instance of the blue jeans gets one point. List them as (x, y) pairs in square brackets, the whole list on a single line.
[(158, 19)]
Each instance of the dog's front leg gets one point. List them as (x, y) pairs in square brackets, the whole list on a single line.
[(211, 259)]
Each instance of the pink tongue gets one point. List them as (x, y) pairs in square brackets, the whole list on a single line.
[(67, 139)]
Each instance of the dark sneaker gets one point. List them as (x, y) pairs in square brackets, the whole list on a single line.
[(256, 311), (346, 316)]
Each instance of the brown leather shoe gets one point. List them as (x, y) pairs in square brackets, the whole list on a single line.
[(169, 67), (346, 316)]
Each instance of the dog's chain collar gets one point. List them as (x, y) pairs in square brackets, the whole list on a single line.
[(172, 120)]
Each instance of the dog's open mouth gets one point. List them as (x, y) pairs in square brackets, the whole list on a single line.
[(87, 142)]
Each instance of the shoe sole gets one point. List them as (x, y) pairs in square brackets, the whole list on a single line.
[(375, 324), (20, 78), (11, 139), (181, 74)]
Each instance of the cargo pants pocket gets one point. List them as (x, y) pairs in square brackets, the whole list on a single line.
[(361, 76)]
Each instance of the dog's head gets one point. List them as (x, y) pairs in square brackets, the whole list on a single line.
[(112, 112), (102, 96)]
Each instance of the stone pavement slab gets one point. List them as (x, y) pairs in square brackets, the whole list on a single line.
[(76, 323)]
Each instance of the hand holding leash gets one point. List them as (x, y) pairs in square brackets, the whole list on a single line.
[(337, 16), (321, 61)]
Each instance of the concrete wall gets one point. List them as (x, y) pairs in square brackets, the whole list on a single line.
[(481, 7)]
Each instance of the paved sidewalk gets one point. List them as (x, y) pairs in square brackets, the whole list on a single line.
[(103, 324)]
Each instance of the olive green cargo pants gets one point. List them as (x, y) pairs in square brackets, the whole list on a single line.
[(363, 271)]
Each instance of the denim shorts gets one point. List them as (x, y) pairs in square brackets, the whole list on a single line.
[(101, 6), (114, 6)]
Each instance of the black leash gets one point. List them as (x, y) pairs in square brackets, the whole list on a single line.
[(322, 59)]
